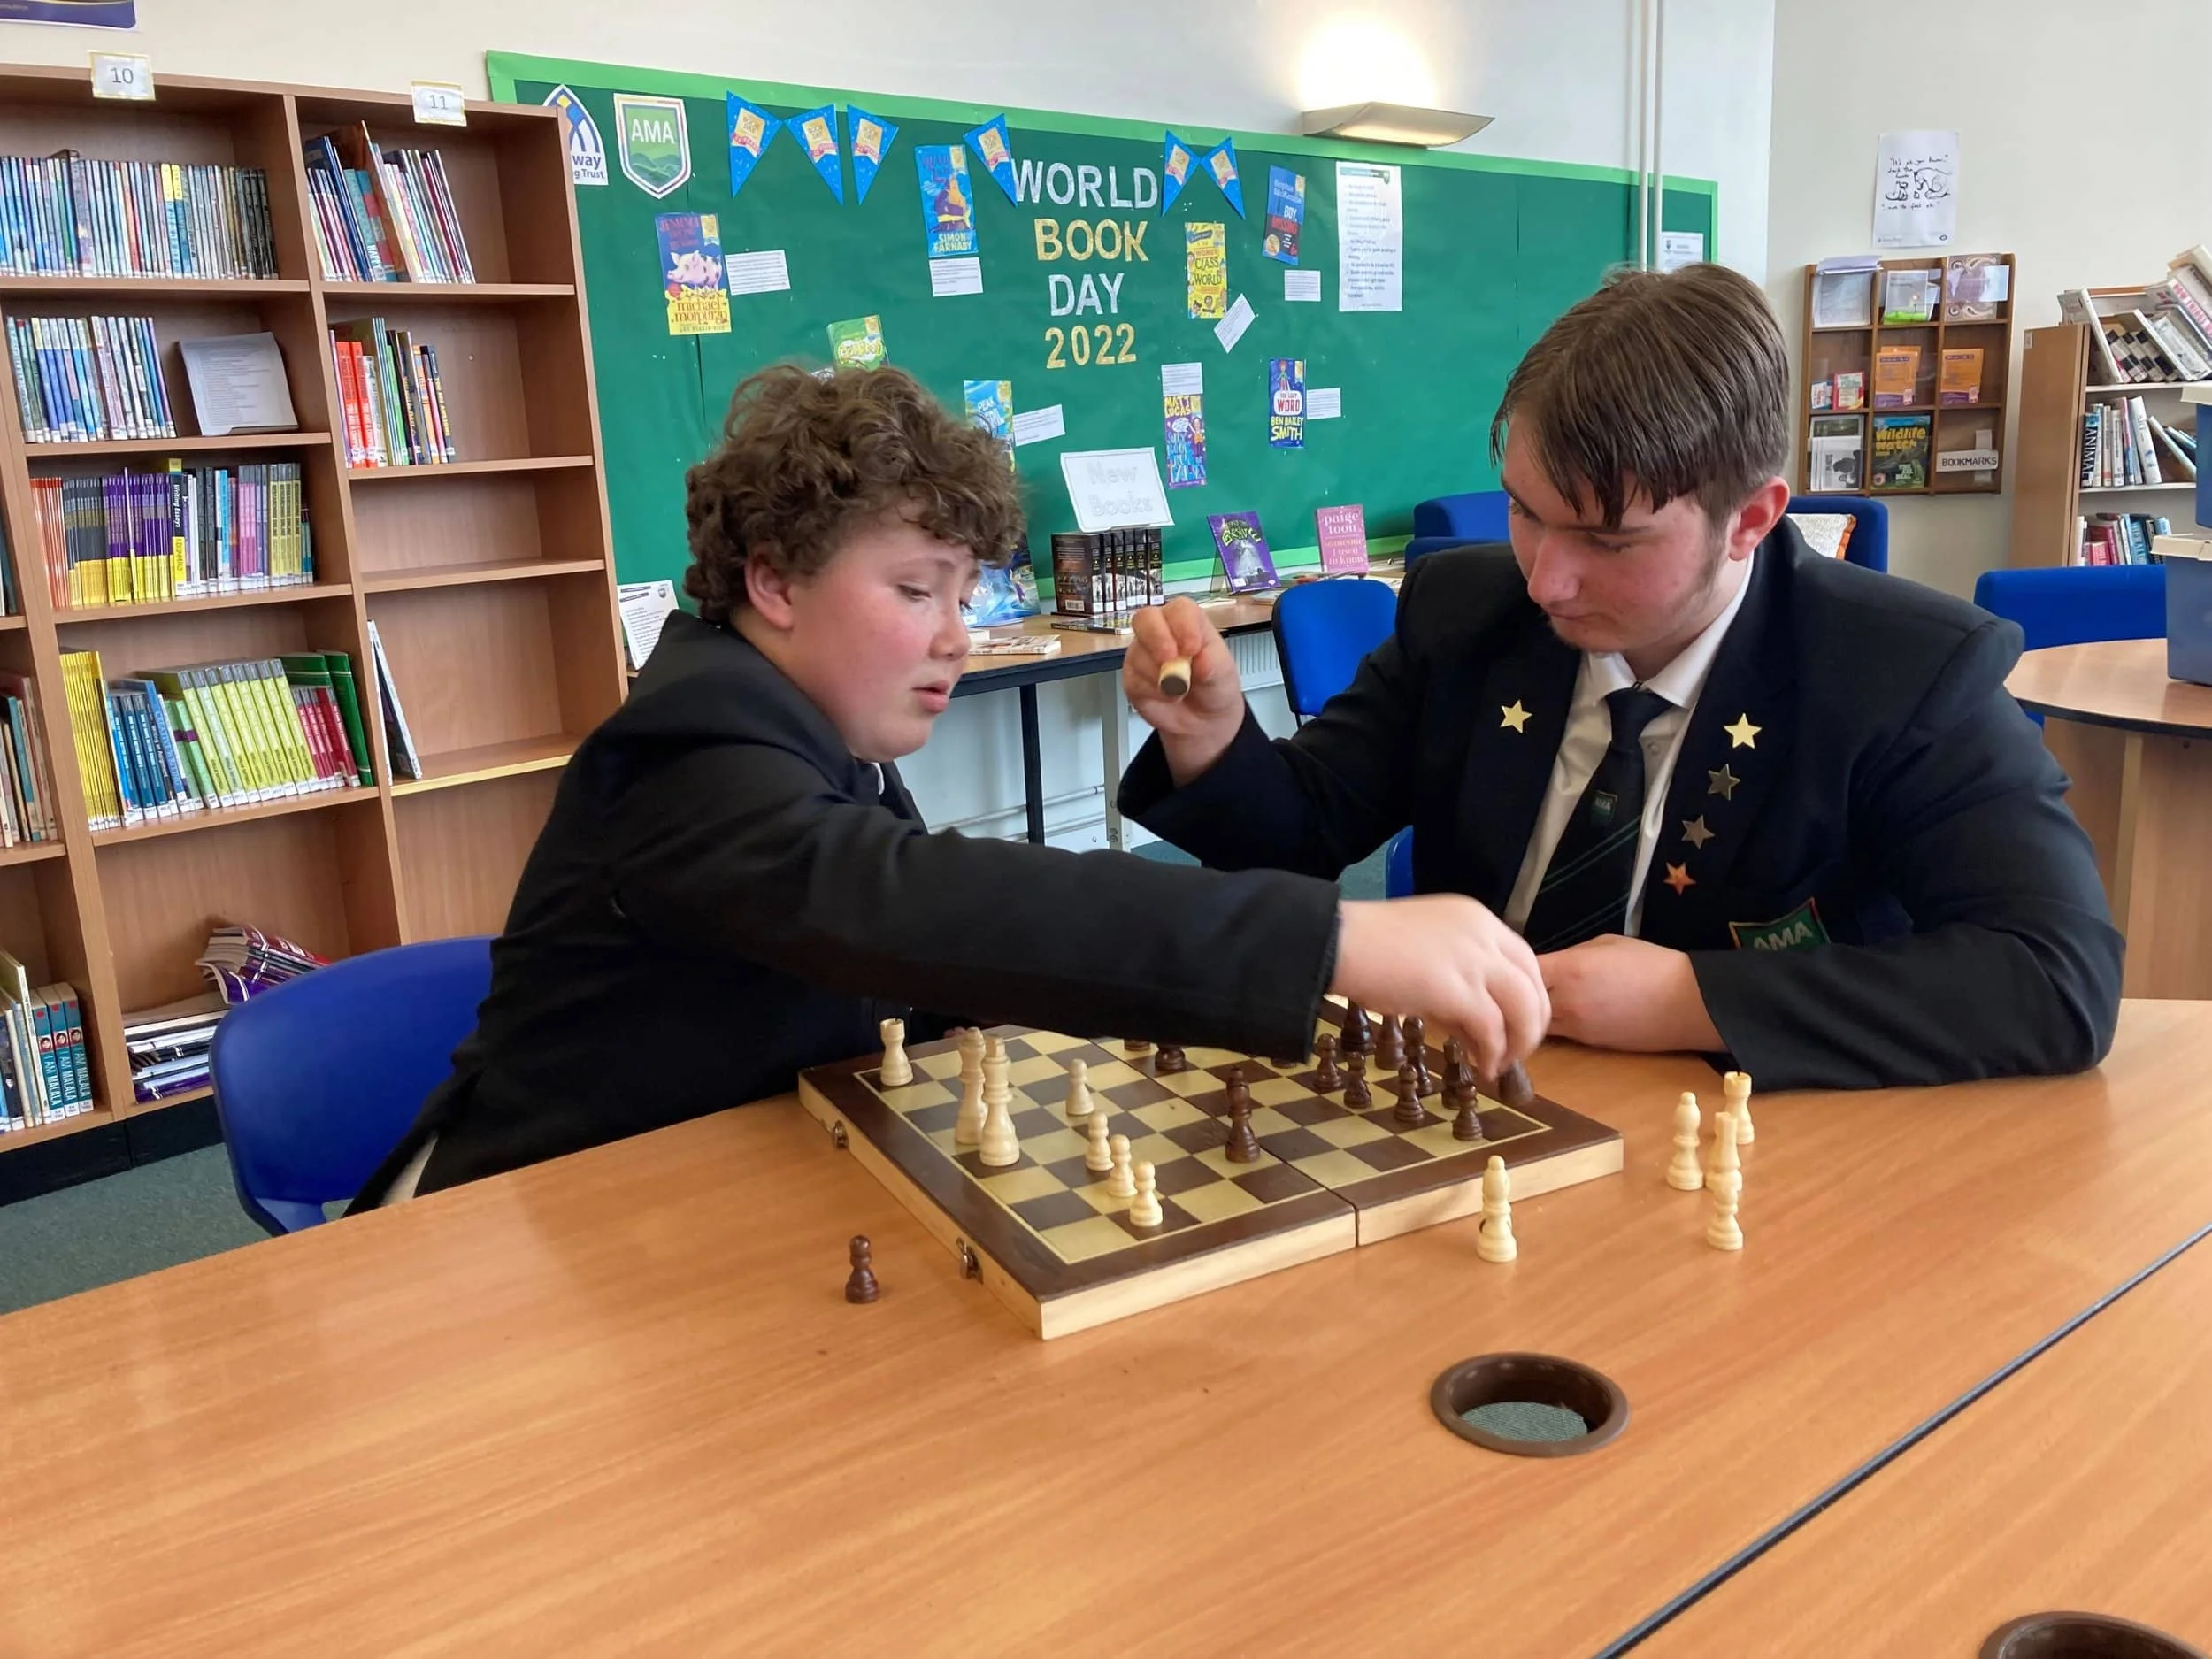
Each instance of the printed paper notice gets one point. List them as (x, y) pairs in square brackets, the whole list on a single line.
[(645, 607), (1324, 402), (1182, 379), (1371, 237), (1302, 285), (1115, 489), (1034, 426), (762, 273), (1679, 248), (1916, 190), (1231, 329), (955, 276)]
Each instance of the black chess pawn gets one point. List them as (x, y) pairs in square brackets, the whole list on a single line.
[(1326, 1078), (1457, 1073), (1359, 1033), (1462, 1100), (1513, 1086), (861, 1285), (1169, 1058), (1137, 1045), (1355, 1095), (1409, 1112), (1390, 1044), (1418, 1052), (1244, 1146)]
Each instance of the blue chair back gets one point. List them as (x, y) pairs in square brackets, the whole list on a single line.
[(1869, 537), (317, 1080), (1479, 515), (1398, 865), (2075, 604), (1323, 631)]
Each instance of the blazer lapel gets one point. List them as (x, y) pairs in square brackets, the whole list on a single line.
[(1732, 757), (1516, 725)]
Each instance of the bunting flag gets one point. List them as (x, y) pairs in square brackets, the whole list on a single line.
[(871, 137), (1174, 171), (752, 129), (1221, 161), (816, 133), (995, 151)]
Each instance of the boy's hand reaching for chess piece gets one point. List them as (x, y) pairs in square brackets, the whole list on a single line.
[(1445, 957)]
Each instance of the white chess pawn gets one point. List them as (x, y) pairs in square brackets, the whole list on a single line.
[(1124, 1184), (1144, 1209), (999, 1146), (1726, 1183), (967, 1128), (1495, 1241), (1685, 1173), (1098, 1157), (898, 1071), (1737, 1086), (1079, 1090)]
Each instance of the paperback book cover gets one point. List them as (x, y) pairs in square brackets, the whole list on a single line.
[(857, 343), (1183, 415), (1961, 384), (1245, 559), (948, 201), (1342, 533), (1896, 369), (694, 279), (1900, 452), (1286, 214)]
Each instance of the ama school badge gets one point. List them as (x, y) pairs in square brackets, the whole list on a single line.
[(654, 144), (586, 154)]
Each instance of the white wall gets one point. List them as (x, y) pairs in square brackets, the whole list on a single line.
[(1557, 75), (2093, 175)]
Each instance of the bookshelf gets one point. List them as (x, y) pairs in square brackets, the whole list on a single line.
[(2057, 386), (1833, 349), (489, 579)]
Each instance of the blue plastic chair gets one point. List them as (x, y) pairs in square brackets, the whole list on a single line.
[(317, 1080), (1398, 865), (2075, 604), (1477, 516), (1869, 537), (1322, 632)]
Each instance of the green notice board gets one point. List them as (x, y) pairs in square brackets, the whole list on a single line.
[(1493, 250)]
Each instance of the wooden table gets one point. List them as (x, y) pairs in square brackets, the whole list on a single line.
[(2139, 749), (2080, 1483), (616, 1403)]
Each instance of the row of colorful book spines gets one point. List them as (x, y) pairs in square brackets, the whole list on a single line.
[(396, 394), (45, 1073), (136, 538), (180, 740), (79, 215), (2122, 538), (26, 784), (81, 379), (366, 236)]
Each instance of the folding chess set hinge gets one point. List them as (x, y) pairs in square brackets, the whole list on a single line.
[(970, 1266), (837, 1135)]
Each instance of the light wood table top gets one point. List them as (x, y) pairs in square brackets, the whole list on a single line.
[(1230, 616), (616, 1403), (2112, 682), (2079, 1484)]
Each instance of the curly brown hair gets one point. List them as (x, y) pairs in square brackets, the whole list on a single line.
[(807, 459)]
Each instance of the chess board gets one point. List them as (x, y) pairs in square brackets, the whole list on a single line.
[(1046, 1238)]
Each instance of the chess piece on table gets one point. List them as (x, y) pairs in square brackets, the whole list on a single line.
[(1079, 1091), (897, 1071), (1685, 1173), (861, 1285), (1144, 1209), (999, 1146), (1137, 1045), (1244, 1146), (1098, 1157), (967, 1128), (1326, 1078), (1122, 1183), (1512, 1085), (1417, 1051), (1725, 1181), (1466, 1110), (1359, 1035), (1356, 1095), (1390, 1044), (1407, 1111), (1457, 1070), (1495, 1242), (1736, 1093), (1170, 1058)]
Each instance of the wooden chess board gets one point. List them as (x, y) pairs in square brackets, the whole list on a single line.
[(1046, 1238)]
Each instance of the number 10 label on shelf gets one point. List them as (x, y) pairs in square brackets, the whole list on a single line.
[(122, 75)]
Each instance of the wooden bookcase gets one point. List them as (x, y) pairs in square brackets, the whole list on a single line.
[(490, 579), (2055, 392), (1836, 349)]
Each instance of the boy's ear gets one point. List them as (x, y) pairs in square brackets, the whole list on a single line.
[(1756, 520), (769, 591)]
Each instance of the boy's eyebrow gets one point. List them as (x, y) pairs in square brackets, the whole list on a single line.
[(1625, 529)]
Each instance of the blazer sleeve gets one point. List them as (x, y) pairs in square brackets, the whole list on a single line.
[(2013, 966), (1315, 802), (744, 848)]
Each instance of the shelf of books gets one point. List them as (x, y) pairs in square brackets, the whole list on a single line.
[(2108, 421), (1906, 363), (307, 584)]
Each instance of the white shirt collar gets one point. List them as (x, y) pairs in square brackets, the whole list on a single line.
[(1681, 680)]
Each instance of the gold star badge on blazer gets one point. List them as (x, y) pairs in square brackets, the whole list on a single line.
[(1743, 733), (1514, 715), (1679, 878)]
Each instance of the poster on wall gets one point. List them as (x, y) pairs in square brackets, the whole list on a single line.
[(587, 152), (92, 14), (1917, 189)]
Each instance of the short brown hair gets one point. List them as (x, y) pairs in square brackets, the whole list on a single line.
[(808, 458), (1656, 385)]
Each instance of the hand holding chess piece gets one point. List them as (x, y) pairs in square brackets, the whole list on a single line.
[(1182, 681), (1442, 954)]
